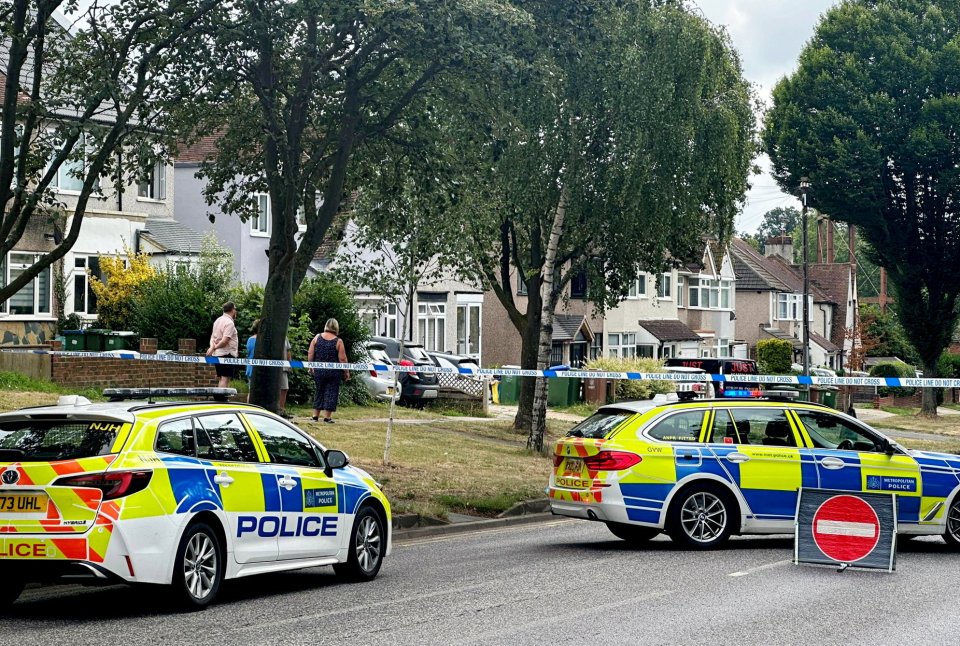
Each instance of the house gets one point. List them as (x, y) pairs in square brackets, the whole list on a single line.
[(112, 221), (770, 302), (247, 241), (706, 301), (447, 313), (577, 331)]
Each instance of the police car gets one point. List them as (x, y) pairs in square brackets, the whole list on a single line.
[(704, 470), (183, 494)]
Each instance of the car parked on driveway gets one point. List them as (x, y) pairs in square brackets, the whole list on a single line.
[(379, 383), (416, 388)]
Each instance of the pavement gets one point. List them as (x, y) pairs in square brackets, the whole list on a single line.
[(563, 582)]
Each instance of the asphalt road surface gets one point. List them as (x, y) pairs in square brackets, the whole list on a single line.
[(561, 582)]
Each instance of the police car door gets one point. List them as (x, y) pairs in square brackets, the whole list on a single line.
[(853, 458), (224, 444), (309, 525), (768, 461)]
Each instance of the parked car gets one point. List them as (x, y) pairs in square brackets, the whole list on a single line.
[(380, 384), (723, 366), (446, 360), (416, 388)]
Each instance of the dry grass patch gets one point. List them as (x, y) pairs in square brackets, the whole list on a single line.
[(439, 467), (942, 425)]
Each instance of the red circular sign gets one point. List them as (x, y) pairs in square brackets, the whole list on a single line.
[(846, 529)]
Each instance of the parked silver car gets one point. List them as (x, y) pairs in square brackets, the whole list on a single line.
[(380, 384)]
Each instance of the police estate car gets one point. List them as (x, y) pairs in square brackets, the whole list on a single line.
[(704, 470), (184, 494)]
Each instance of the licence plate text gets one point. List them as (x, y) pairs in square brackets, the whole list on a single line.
[(23, 503)]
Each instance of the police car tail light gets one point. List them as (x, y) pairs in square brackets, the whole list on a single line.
[(612, 461), (114, 484)]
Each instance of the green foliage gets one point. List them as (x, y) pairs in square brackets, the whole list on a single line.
[(948, 367), (634, 389), (321, 298), (898, 370), (249, 301), (870, 116), (781, 221), (23, 383), (122, 279), (882, 335), (775, 356), (182, 301)]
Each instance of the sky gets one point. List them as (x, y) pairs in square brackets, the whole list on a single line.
[(769, 35)]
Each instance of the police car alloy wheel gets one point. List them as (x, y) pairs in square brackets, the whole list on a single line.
[(952, 535), (199, 566), (701, 517), (367, 542), (633, 533)]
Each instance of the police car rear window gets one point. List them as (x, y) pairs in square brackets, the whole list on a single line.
[(600, 424), (42, 441)]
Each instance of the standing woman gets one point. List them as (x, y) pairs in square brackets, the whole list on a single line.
[(327, 347)]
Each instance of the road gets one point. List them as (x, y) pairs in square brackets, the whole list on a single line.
[(562, 582)]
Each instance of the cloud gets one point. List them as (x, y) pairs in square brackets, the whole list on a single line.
[(769, 35)]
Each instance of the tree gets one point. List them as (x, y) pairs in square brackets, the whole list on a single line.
[(781, 221), (87, 107), (625, 136), (871, 116), (115, 294), (311, 90), (882, 335)]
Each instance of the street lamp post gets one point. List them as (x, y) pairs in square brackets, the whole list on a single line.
[(804, 186)]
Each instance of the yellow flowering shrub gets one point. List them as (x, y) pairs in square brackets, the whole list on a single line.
[(122, 275)]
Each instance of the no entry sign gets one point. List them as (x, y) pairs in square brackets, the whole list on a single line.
[(846, 529)]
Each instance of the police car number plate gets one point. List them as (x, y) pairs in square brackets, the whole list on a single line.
[(574, 466), (23, 503)]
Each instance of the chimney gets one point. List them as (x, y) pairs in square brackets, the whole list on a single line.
[(779, 246)]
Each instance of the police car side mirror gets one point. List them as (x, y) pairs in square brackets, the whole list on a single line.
[(888, 447), (337, 459)]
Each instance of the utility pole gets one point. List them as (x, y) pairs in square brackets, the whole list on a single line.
[(804, 185)]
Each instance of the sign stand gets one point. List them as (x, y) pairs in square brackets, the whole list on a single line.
[(846, 529)]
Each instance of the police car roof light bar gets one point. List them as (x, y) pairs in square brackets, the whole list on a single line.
[(124, 394)]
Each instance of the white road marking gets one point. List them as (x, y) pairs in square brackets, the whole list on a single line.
[(759, 568), (846, 528)]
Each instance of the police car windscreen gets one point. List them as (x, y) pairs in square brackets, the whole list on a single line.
[(43, 441), (599, 424)]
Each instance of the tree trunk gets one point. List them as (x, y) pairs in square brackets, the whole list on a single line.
[(274, 321), (528, 361), (928, 406), (549, 296)]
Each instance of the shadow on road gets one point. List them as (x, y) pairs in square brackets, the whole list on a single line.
[(55, 604)]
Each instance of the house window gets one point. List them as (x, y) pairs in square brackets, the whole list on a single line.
[(664, 288), (260, 222), (556, 354), (723, 348), (70, 173), (521, 285), (34, 297), (726, 291), (432, 323), (638, 289), (390, 322), (789, 307), (694, 292), (681, 288), (578, 285), (154, 184), (645, 351), (84, 300), (668, 351), (468, 329), (622, 345)]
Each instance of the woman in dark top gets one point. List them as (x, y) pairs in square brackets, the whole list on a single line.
[(328, 348)]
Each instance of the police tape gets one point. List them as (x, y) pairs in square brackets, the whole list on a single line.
[(785, 380)]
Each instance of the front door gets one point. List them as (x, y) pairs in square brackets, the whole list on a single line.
[(309, 526), (248, 498), (852, 458)]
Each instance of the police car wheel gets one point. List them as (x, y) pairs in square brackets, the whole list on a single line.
[(199, 567), (633, 533), (367, 542), (952, 535), (701, 517)]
